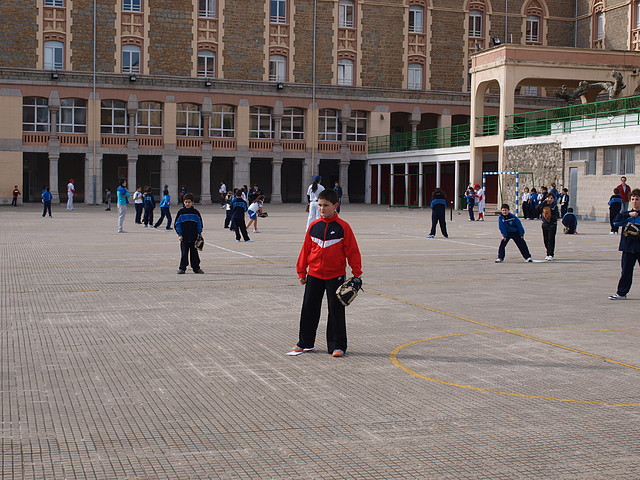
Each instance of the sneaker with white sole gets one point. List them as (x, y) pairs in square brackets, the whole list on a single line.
[(499, 260), (296, 350), (338, 353), (431, 236), (528, 260), (615, 296)]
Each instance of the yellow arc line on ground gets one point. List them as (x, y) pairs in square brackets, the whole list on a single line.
[(512, 332)]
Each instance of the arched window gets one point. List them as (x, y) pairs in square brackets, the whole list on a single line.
[(206, 63), (149, 118), (414, 80), (35, 114), (223, 121), (292, 127), (416, 19), (532, 29), (260, 122), (328, 125), (188, 120), (130, 59), (73, 115), (277, 68), (345, 71), (476, 18), (113, 117), (53, 55)]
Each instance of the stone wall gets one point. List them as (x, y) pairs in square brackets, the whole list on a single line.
[(447, 70), (170, 37), (18, 34), (303, 44), (616, 20), (244, 40), (382, 44), (82, 36)]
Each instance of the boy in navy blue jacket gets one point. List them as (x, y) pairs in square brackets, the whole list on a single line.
[(511, 229), (570, 222), (149, 204), (238, 207), (438, 212), (629, 245), (188, 226)]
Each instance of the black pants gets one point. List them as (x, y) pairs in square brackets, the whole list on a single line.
[(470, 208), (549, 237), (563, 210), (139, 209), (46, 207), (164, 212), (189, 249), (310, 315), (627, 262), (520, 243), (148, 216), (613, 213), (14, 202), (526, 210), (240, 227), (438, 216), (227, 219)]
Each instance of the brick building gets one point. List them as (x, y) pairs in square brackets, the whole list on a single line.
[(194, 92)]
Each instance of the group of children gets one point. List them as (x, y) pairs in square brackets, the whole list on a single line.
[(237, 205), (475, 195), (531, 201)]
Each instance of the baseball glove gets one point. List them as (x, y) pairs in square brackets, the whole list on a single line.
[(199, 243), (631, 230), (349, 290), (263, 215)]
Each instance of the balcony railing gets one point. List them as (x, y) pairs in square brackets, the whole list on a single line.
[(454, 136), (617, 113)]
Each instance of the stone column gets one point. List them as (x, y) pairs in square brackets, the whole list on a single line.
[(88, 182), (306, 178), (420, 184), (456, 184), (276, 187), (278, 112), (205, 189), (414, 121), (132, 162), (344, 179), (54, 109), (53, 176), (132, 112), (169, 175), (241, 169)]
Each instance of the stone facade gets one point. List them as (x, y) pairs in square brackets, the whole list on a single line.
[(303, 44), (244, 40), (617, 20), (18, 35), (170, 37), (382, 45), (544, 160), (447, 72), (82, 35)]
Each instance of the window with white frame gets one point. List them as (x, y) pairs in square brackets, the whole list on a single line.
[(207, 8), (530, 91), (414, 80), (638, 14), (620, 160), (73, 115), (149, 118), (260, 122), (278, 11), (113, 117), (328, 125), (357, 127), (533, 29), (292, 127), (223, 121), (53, 55), (277, 68), (206, 63), (188, 120), (416, 19), (346, 14), (345, 71), (587, 155), (130, 59), (475, 24), (132, 5), (54, 3), (35, 114)]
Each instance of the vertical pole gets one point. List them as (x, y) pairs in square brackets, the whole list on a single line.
[(517, 192)]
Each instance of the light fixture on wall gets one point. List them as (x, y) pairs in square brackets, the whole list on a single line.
[(207, 83), (132, 78), (55, 75), (381, 116), (496, 41), (280, 86)]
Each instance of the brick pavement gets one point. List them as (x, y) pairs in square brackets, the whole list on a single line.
[(114, 367)]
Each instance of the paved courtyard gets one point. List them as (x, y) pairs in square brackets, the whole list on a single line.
[(114, 367)]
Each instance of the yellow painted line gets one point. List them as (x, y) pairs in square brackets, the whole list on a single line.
[(512, 332), (394, 359)]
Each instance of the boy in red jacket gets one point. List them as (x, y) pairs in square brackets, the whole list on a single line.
[(328, 244)]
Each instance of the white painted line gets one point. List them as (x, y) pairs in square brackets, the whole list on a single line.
[(229, 250)]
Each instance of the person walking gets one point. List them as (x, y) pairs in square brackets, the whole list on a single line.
[(123, 200), (15, 193), (624, 191), (549, 215), (438, 213), (46, 200), (165, 202), (312, 195), (615, 207), (71, 191), (629, 245), (222, 193)]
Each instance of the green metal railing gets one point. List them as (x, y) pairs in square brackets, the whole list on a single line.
[(620, 112), (487, 126), (454, 136)]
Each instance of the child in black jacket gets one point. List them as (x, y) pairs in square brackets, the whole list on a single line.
[(188, 226), (238, 207)]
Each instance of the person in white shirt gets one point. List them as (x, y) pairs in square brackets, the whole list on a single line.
[(223, 194), (71, 191), (137, 203), (481, 202), (312, 193)]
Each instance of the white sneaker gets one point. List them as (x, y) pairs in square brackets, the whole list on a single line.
[(528, 260), (548, 257), (612, 233), (256, 231), (615, 296), (499, 260)]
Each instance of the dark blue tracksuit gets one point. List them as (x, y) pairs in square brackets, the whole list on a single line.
[(615, 207), (149, 204), (438, 213), (188, 225), (630, 248), (511, 229)]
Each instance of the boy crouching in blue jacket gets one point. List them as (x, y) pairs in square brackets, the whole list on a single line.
[(511, 229)]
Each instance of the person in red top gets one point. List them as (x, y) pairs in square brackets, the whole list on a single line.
[(328, 244), (15, 193), (624, 191)]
